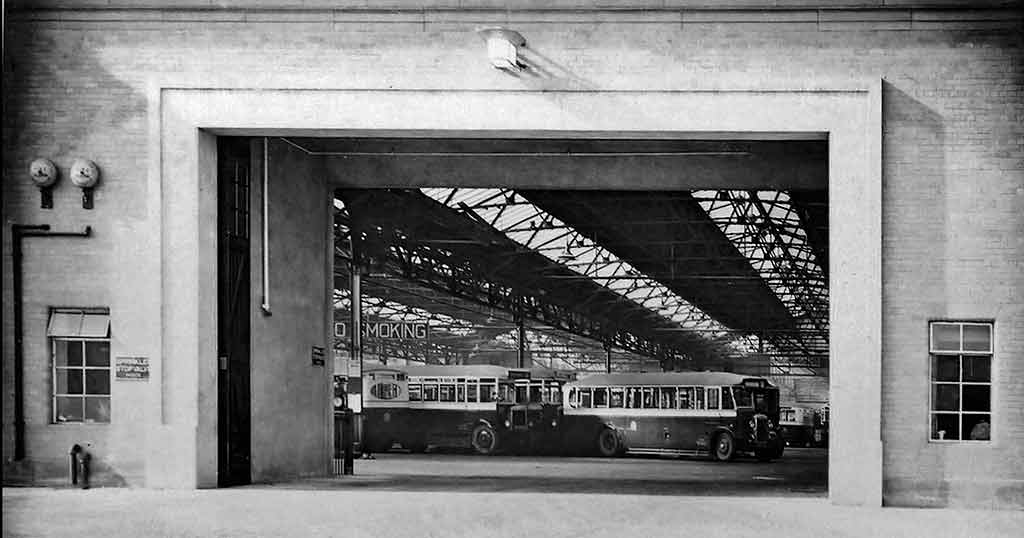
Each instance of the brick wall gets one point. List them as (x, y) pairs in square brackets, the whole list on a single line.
[(76, 84)]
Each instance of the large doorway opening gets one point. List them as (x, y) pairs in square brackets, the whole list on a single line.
[(658, 257)]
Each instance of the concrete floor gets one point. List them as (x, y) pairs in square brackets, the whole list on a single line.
[(457, 495)]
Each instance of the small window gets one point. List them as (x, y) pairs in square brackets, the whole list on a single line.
[(616, 397), (700, 398), (460, 392), (429, 392), (488, 390), (601, 397), (81, 365), (686, 400), (471, 392), (415, 392), (727, 399), (961, 381), (447, 393), (668, 397), (585, 398), (633, 398), (712, 393)]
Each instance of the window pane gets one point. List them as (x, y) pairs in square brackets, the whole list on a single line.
[(585, 400), (977, 369), (74, 352), (69, 409), (649, 401), (97, 353), (946, 426), (977, 338), (430, 393), (976, 398), (616, 398), (686, 398), (60, 352), (668, 398), (601, 397), (700, 398), (977, 426), (713, 398), (946, 336), (460, 395), (488, 392), (945, 397), (69, 381), (727, 398), (97, 409), (945, 368), (97, 381), (471, 392), (415, 393)]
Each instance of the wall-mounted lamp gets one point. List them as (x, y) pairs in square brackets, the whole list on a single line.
[(44, 175), (85, 175), (502, 47)]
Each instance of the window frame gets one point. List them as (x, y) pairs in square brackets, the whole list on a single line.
[(960, 383), (81, 340)]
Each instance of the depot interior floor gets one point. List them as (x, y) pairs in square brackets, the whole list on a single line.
[(801, 472)]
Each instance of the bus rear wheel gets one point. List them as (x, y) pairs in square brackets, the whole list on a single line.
[(608, 443), (484, 439), (723, 448)]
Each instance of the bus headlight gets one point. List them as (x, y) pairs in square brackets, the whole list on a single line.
[(554, 423), (508, 423)]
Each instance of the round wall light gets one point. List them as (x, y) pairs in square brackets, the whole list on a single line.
[(44, 175), (85, 175)]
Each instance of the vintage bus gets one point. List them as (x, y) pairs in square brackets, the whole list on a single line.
[(796, 425), (684, 413), (482, 407)]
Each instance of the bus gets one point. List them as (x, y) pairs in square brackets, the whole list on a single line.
[(480, 407), (796, 425), (718, 414)]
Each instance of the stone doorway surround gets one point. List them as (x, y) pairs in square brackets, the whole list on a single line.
[(181, 187)]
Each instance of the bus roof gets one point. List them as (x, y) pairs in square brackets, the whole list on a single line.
[(465, 370), (664, 378)]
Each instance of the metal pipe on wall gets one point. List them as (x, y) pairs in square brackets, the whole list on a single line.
[(19, 232)]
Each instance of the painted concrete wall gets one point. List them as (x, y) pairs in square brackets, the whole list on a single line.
[(78, 82), (290, 396)]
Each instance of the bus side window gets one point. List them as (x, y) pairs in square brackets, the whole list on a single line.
[(616, 397), (585, 399), (447, 392), (650, 402), (415, 392), (712, 397), (668, 398), (632, 398), (700, 398), (601, 397), (727, 398), (685, 397), (471, 391), (488, 390), (430, 392)]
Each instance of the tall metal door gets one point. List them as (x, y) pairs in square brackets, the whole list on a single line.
[(233, 313)]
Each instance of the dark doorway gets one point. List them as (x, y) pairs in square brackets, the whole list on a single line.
[(233, 312)]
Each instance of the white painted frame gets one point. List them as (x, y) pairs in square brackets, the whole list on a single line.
[(185, 122)]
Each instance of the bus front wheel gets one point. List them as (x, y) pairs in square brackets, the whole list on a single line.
[(484, 439), (723, 448), (608, 443)]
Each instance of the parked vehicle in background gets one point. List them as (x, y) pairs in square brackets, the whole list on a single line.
[(482, 407), (796, 425), (719, 414)]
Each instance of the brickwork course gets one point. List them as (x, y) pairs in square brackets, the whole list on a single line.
[(77, 76)]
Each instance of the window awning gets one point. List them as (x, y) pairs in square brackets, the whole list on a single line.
[(65, 324)]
